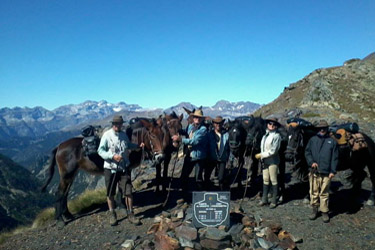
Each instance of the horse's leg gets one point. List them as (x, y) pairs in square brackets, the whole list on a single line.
[(61, 204), (241, 161), (158, 176), (371, 169), (165, 172), (281, 180)]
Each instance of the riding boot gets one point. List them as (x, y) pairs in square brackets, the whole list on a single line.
[(112, 217), (264, 200), (314, 213), (274, 196)]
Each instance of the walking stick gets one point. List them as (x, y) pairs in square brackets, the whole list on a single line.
[(113, 180), (170, 181)]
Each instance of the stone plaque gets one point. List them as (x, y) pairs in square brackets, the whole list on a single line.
[(211, 209)]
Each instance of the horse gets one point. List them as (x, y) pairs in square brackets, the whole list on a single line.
[(351, 162), (245, 139), (299, 132), (70, 157)]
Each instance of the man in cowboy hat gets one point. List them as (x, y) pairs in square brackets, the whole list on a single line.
[(218, 151), (197, 147), (114, 149), (269, 155), (322, 156)]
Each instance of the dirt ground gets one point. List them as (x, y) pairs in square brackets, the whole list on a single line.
[(91, 230)]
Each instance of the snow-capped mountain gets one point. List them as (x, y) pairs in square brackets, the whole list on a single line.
[(224, 108), (37, 121)]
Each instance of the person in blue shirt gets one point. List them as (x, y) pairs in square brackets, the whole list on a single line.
[(197, 143), (219, 151)]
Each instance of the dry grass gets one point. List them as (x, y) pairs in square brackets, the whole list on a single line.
[(82, 202)]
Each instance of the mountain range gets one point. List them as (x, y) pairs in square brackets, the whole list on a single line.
[(38, 121), (27, 135)]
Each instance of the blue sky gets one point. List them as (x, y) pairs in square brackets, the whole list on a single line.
[(159, 53)]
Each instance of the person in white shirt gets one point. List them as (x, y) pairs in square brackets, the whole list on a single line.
[(114, 149), (270, 160)]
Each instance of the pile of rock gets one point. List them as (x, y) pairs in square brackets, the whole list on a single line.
[(174, 230)]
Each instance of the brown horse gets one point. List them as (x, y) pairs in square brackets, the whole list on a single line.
[(70, 157)]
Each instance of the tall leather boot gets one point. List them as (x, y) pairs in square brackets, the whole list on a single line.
[(274, 196), (264, 200)]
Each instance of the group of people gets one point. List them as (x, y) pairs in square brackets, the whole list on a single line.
[(207, 150)]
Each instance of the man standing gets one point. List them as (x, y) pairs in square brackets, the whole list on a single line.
[(322, 156), (218, 151), (114, 149), (197, 150)]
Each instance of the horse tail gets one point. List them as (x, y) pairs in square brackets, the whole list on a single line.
[(51, 169)]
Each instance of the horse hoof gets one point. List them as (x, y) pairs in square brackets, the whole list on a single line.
[(370, 203), (60, 224)]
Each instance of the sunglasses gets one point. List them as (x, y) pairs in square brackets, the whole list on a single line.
[(272, 123)]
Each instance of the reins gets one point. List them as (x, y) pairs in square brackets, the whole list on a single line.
[(171, 178)]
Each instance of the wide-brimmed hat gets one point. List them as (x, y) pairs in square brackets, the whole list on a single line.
[(198, 113), (322, 124), (273, 119), (218, 119), (117, 119)]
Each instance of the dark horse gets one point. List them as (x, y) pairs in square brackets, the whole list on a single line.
[(245, 136), (351, 162), (299, 132), (69, 157)]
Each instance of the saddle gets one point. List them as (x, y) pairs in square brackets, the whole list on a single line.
[(91, 140), (298, 122)]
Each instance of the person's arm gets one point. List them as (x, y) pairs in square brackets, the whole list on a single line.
[(103, 149), (197, 138), (334, 160), (308, 153)]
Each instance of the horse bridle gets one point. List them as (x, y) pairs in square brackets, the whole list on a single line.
[(294, 150)]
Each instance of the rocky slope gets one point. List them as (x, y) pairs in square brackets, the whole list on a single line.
[(339, 94), (170, 227)]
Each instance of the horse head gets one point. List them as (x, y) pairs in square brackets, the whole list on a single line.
[(156, 139), (295, 143), (255, 129), (237, 137), (173, 124)]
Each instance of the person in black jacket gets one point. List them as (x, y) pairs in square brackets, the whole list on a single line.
[(322, 156)]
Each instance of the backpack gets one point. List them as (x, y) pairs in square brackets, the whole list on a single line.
[(91, 140), (294, 122)]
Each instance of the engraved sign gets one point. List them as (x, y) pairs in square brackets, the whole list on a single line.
[(211, 209)]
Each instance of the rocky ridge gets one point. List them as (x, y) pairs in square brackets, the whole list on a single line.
[(339, 94)]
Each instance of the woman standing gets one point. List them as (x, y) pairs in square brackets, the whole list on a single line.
[(270, 160)]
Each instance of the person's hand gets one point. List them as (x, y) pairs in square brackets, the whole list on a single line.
[(257, 156), (331, 175), (176, 138), (141, 145), (314, 165), (117, 158)]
